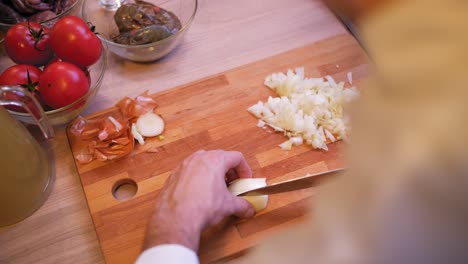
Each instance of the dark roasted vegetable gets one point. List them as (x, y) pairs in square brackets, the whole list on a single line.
[(30, 6), (15, 11), (143, 22), (9, 15)]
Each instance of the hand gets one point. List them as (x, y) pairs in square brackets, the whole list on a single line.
[(195, 196)]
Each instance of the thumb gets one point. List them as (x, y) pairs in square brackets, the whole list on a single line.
[(241, 208)]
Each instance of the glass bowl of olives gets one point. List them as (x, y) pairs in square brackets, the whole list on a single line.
[(141, 31)]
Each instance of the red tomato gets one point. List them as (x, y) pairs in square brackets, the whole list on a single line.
[(26, 76), (52, 60), (73, 41), (62, 83), (18, 75), (28, 43)]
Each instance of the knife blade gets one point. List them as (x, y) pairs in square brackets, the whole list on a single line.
[(299, 183)]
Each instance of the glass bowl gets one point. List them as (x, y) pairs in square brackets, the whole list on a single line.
[(64, 115), (75, 9), (103, 19)]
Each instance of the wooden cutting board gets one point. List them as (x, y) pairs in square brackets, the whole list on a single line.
[(211, 114)]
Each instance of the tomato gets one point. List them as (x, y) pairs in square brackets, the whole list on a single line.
[(26, 76), (28, 43), (62, 83), (53, 59), (18, 75), (73, 41)]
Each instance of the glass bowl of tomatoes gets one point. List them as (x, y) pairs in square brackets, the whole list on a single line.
[(142, 40), (66, 114), (66, 83), (44, 12)]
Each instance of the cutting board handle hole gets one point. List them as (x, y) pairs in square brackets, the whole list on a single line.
[(124, 189)]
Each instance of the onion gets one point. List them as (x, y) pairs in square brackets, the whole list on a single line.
[(246, 184), (287, 145), (150, 125), (261, 123), (350, 77), (137, 135), (296, 140)]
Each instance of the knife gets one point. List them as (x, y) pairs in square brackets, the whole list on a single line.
[(303, 182)]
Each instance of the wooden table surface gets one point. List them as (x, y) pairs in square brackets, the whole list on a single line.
[(225, 34)]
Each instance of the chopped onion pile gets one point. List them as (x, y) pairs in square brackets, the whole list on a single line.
[(307, 109), (112, 137)]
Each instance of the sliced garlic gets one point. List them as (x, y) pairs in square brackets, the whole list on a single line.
[(246, 184), (150, 124)]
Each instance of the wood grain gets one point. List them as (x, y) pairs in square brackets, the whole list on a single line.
[(61, 231), (225, 34), (211, 114)]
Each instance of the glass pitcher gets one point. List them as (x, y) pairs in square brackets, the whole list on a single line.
[(26, 172)]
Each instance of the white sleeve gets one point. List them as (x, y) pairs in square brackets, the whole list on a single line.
[(168, 254)]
